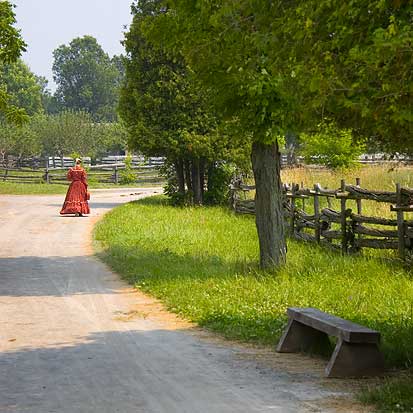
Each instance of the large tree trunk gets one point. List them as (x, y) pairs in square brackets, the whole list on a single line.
[(269, 217), (179, 168), (196, 182)]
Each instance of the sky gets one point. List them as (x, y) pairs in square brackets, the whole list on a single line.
[(47, 24)]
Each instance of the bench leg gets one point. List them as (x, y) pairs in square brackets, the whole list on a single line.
[(298, 337), (355, 360)]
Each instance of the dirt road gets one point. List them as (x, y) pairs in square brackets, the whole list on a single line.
[(76, 339)]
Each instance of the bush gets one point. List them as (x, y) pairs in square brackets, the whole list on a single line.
[(330, 146), (219, 179), (127, 176)]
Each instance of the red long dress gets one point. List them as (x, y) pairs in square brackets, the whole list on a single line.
[(76, 197)]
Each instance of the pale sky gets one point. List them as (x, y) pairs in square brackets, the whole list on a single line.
[(47, 24)]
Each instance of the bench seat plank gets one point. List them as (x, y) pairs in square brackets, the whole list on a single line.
[(334, 326)]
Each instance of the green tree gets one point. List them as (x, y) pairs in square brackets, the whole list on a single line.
[(110, 138), (165, 109), (86, 78), (22, 86), (286, 66), (66, 132), (18, 140), (11, 47), (222, 43), (49, 101), (351, 62)]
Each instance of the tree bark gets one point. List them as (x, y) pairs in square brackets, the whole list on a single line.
[(268, 205), (187, 170), (179, 169), (196, 182), (202, 177)]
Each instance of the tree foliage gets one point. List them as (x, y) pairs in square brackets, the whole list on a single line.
[(11, 47), (330, 146), (23, 87), (75, 132), (352, 62), (282, 66), (167, 111), (87, 79), (221, 43), (18, 140), (60, 135)]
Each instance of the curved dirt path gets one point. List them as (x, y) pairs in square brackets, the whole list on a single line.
[(76, 339)]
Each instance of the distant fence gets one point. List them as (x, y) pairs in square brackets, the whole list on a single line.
[(36, 162), (343, 229), (145, 171), (364, 159)]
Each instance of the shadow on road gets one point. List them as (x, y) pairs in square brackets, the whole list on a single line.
[(143, 371), (52, 276)]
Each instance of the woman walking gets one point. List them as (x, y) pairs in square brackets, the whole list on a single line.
[(77, 195)]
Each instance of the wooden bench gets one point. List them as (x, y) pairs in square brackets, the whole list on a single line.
[(356, 353)]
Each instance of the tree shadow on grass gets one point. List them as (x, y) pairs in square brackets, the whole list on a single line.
[(181, 280)]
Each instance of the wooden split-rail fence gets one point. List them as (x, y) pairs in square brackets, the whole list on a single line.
[(342, 227), (104, 173)]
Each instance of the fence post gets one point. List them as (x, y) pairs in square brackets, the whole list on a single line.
[(292, 222), (303, 199), (116, 175), (359, 211), (344, 241), (317, 214), (6, 172), (358, 201), (400, 223)]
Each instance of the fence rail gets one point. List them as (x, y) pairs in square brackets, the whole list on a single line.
[(103, 173), (342, 229)]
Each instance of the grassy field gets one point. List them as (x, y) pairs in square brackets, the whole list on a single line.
[(378, 177), (202, 263), (11, 188)]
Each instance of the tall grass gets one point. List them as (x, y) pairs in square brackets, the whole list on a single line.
[(377, 177)]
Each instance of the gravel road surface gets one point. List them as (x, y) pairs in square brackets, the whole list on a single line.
[(76, 339)]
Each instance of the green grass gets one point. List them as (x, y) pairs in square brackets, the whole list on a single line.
[(11, 188), (392, 396), (202, 263)]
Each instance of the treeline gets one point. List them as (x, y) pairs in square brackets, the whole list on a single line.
[(80, 117), (68, 133)]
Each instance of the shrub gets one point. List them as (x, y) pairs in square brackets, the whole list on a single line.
[(127, 176), (330, 146), (219, 178)]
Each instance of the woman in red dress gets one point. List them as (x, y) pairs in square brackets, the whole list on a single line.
[(76, 197)]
